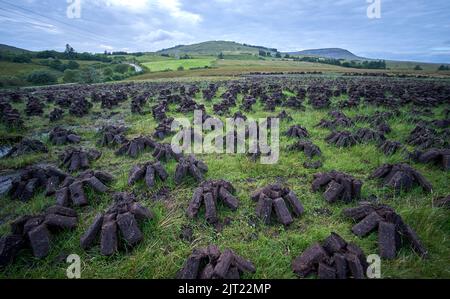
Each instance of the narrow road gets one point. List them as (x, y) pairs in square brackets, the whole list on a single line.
[(137, 68)]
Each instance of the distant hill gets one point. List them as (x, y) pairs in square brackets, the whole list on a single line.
[(215, 48), (335, 53), (11, 49)]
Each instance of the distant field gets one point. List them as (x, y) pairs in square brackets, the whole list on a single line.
[(406, 65), (16, 69), (152, 58), (174, 64), (225, 68)]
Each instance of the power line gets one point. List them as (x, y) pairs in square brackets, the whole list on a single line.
[(71, 26)]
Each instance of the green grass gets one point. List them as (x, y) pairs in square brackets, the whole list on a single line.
[(271, 248), (174, 64), (17, 69)]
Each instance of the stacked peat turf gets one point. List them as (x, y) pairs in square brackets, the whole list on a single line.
[(319, 101), (392, 231), (121, 220), (334, 259), (112, 136), (56, 114), (159, 111), (247, 103), (164, 128), (78, 159), (34, 107), (401, 177), (239, 116), (27, 146), (368, 135), (283, 115), (277, 200), (61, 136), (210, 263), (337, 186), (390, 147), (164, 152), (209, 193), (295, 103), (424, 137), (311, 150), (342, 138), (137, 103), (10, 116), (135, 146), (148, 171), (80, 107), (312, 164), (440, 157), (339, 120), (35, 232), (297, 131), (32, 178), (190, 166), (210, 92), (71, 191)]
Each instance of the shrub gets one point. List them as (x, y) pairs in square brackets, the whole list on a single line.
[(71, 76), (108, 72), (42, 77), (117, 77), (21, 58), (91, 75), (418, 68), (11, 81), (180, 68), (57, 65), (73, 65), (121, 68)]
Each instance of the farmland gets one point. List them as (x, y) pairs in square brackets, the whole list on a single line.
[(178, 64)]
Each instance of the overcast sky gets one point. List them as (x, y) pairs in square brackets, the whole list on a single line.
[(407, 30)]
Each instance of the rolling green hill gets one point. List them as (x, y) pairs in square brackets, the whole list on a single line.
[(214, 48), (334, 53), (11, 49)]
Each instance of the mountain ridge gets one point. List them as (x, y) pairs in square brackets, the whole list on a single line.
[(333, 53)]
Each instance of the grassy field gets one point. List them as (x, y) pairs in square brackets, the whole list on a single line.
[(271, 248), (17, 69), (237, 65), (175, 64)]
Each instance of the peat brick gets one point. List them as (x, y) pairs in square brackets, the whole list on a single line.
[(60, 222), (387, 240), (367, 225), (326, 272), (282, 211), (40, 241), (334, 244), (129, 228), (108, 243), (89, 237), (306, 263)]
